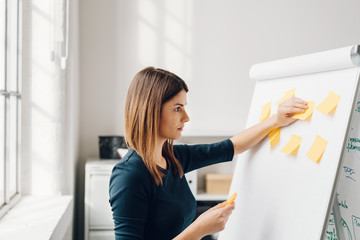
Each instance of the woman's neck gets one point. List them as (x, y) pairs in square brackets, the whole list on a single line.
[(160, 159)]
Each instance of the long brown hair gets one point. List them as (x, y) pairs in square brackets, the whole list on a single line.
[(148, 91)]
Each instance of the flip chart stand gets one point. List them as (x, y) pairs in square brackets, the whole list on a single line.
[(337, 220), (348, 186)]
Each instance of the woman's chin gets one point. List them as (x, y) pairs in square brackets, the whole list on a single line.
[(178, 136)]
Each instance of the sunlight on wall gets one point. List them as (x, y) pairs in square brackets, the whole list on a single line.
[(165, 37), (148, 12), (44, 108), (147, 43)]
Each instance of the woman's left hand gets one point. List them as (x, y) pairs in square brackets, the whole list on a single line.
[(288, 109)]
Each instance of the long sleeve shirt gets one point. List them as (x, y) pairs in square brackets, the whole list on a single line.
[(143, 210)]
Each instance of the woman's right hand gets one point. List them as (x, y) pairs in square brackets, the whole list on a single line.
[(214, 219), (209, 222)]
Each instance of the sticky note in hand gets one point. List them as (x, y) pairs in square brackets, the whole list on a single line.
[(230, 200)]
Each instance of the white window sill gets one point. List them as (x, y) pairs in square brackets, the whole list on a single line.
[(39, 218)]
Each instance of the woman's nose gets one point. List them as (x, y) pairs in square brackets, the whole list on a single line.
[(186, 117)]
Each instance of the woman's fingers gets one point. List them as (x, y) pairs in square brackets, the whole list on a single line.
[(294, 101), (293, 105), (288, 109), (294, 110), (229, 209)]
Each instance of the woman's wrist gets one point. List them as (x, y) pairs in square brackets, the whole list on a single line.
[(192, 232), (272, 122)]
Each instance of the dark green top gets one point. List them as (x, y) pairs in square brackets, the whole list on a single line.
[(143, 210)]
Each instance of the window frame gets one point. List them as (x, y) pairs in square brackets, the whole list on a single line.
[(10, 169)]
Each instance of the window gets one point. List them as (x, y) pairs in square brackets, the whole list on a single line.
[(10, 98)]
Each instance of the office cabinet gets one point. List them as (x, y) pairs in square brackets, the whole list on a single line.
[(98, 216), (101, 235)]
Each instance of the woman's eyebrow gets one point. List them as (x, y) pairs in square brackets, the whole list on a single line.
[(179, 104)]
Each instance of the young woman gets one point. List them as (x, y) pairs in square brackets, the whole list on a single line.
[(149, 195)]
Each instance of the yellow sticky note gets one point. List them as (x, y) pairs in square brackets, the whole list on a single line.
[(317, 149), (292, 146), (266, 109), (329, 104), (307, 114), (288, 94), (274, 136)]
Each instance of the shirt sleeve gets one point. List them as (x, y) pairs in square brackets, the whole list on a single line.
[(129, 202), (201, 155)]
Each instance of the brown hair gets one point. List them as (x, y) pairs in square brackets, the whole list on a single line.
[(148, 91)]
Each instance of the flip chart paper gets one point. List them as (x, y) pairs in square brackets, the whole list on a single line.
[(317, 149), (266, 109), (274, 136), (329, 104), (308, 113), (292, 146), (310, 63), (288, 94), (291, 184)]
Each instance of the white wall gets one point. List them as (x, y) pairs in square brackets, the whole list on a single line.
[(210, 44)]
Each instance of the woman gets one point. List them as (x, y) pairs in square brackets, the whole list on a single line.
[(149, 195)]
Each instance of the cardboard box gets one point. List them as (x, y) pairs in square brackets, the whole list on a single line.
[(218, 183)]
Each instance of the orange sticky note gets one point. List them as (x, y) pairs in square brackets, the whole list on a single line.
[(317, 149), (288, 94), (329, 104), (274, 136), (230, 200), (292, 146), (307, 114), (265, 113)]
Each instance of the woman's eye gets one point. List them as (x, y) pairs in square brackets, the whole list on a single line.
[(177, 109)]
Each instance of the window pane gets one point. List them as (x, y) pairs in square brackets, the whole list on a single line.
[(12, 46), (13, 139), (2, 148), (2, 44)]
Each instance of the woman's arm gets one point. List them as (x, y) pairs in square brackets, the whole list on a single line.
[(210, 222), (253, 135), (129, 191)]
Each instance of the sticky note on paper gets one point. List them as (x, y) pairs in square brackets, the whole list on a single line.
[(274, 136), (317, 149), (288, 94), (292, 146), (307, 114), (329, 104), (265, 113)]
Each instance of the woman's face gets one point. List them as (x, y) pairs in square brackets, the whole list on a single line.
[(173, 117)]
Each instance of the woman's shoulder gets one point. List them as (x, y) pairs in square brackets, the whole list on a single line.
[(129, 176), (131, 166)]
